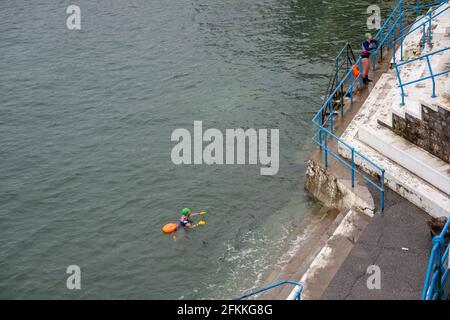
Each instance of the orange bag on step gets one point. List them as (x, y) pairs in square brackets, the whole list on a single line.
[(355, 71)]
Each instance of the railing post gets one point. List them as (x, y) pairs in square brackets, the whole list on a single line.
[(437, 288), (423, 37), (393, 44), (400, 83), (325, 158), (394, 33), (373, 57), (337, 72), (432, 77), (426, 284), (360, 75), (353, 167), (401, 30), (320, 129), (351, 87), (388, 35), (347, 62), (331, 114), (382, 190), (429, 29)]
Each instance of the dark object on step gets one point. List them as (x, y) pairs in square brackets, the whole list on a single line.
[(436, 225)]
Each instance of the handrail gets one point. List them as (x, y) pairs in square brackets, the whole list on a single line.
[(422, 56), (392, 27), (385, 26), (398, 7), (348, 49), (424, 6), (437, 274), (326, 103), (326, 133), (431, 76), (352, 165), (424, 23), (350, 147), (296, 284), (334, 85), (386, 23), (399, 35), (437, 4)]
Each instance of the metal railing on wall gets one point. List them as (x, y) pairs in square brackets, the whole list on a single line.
[(431, 75), (436, 286), (343, 82), (391, 34), (353, 168), (295, 295), (394, 31), (425, 24)]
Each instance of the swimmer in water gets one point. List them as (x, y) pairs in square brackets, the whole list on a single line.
[(185, 219)]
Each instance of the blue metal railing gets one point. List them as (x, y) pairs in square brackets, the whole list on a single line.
[(348, 77), (351, 165), (394, 31), (391, 32), (387, 31), (431, 14), (436, 286), (343, 62), (431, 76), (298, 288), (347, 54), (322, 134)]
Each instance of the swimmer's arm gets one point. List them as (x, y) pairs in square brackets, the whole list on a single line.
[(196, 213), (192, 226)]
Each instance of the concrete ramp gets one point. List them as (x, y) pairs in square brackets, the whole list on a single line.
[(396, 243)]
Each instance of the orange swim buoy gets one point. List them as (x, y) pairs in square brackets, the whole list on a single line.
[(355, 71), (169, 227)]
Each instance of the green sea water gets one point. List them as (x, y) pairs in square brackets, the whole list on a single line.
[(86, 117)]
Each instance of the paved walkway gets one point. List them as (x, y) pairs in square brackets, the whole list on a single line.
[(399, 242)]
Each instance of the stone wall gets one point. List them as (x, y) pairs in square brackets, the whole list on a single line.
[(432, 133), (335, 193)]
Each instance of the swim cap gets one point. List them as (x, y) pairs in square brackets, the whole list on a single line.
[(185, 211)]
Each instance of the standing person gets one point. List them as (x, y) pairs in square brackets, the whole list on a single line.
[(368, 45)]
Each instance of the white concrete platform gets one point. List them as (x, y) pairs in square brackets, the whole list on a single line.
[(408, 155), (411, 171), (404, 182), (418, 93)]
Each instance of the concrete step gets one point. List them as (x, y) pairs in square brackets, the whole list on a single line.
[(422, 163), (414, 109), (372, 105), (420, 93), (410, 186), (424, 181), (411, 44)]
